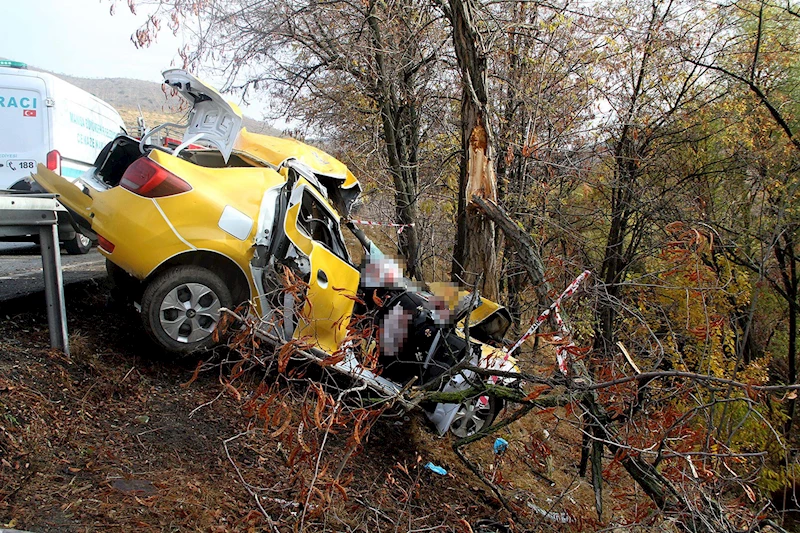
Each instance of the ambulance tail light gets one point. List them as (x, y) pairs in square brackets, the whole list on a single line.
[(54, 161)]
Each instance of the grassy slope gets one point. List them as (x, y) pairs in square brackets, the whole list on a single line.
[(80, 435)]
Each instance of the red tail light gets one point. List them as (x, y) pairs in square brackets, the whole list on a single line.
[(105, 244), (54, 161), (147, 178)]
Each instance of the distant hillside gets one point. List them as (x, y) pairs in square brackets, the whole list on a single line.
[(128, 95)]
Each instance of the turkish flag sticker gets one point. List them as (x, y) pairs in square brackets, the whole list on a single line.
[(28, 112)]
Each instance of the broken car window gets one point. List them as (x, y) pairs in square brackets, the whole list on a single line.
[(321, 226)]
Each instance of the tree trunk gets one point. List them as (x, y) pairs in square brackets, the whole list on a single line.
[(474, 252), (785, 254), (401, 136), (614, 263)]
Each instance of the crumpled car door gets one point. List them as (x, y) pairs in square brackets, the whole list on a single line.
[(313, 227)]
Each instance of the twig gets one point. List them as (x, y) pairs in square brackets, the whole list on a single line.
[(127, 374), (475, 470), (193, 411), (322, 448), (247, 486), (628, 357), (649, 376), (149, 431)]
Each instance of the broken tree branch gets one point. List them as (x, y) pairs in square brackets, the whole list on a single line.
[(523, 244)]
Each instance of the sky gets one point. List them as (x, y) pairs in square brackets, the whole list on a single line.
[(81, 38)]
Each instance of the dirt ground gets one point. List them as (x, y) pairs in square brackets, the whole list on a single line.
[(112, 438)]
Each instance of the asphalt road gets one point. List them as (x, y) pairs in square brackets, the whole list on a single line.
[(21, 269)]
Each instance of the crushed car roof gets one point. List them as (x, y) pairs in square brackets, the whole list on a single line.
[(276, 150)]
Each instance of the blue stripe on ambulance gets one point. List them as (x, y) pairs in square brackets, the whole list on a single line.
[(71, 172)]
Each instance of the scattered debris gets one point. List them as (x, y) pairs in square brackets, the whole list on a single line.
[(134, 487), (436, 469), (500, 446), (561, 518)]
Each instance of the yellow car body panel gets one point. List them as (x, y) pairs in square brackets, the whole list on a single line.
[(329, 305), (70, 195), (195, 214), (295, 234), (276, 150), (329, 302), (141, 243), (485, 310)]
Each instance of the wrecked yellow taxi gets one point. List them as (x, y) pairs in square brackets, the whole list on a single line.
[(187, 232)]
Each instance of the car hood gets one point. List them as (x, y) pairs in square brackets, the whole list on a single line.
[(212, 119)]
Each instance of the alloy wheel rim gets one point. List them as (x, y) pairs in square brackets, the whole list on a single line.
[(83, 240), (470, 418), (189, 312)]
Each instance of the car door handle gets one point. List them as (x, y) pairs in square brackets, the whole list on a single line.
[(322, 277)]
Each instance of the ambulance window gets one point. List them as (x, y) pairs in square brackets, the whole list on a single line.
[(319, 224)]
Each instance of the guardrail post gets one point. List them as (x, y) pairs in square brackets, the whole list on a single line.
[(54, 287)]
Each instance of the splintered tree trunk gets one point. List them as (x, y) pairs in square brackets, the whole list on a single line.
[(474, 253), (480, 251)]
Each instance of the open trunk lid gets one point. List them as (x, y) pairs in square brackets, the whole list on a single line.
[(212, 119)]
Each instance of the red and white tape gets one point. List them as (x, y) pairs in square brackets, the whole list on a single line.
[(400, 227), (562, 351)]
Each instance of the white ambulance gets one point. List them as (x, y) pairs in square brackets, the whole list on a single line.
[(44, 119)]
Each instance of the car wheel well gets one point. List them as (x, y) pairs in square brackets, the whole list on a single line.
[(223, 266)]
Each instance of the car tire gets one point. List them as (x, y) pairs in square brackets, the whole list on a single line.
[(180, 308), (473, 415), (79, 245)]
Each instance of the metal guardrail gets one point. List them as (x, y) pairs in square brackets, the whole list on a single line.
[(23, 213)]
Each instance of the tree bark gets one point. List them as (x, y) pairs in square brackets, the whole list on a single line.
[(401, 137), (474, 253), (785, 255)]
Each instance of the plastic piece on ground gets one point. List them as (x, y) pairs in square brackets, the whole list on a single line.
[(436, 469), (500, 446)]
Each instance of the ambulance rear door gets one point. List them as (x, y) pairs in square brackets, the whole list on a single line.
[(24, 131)]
